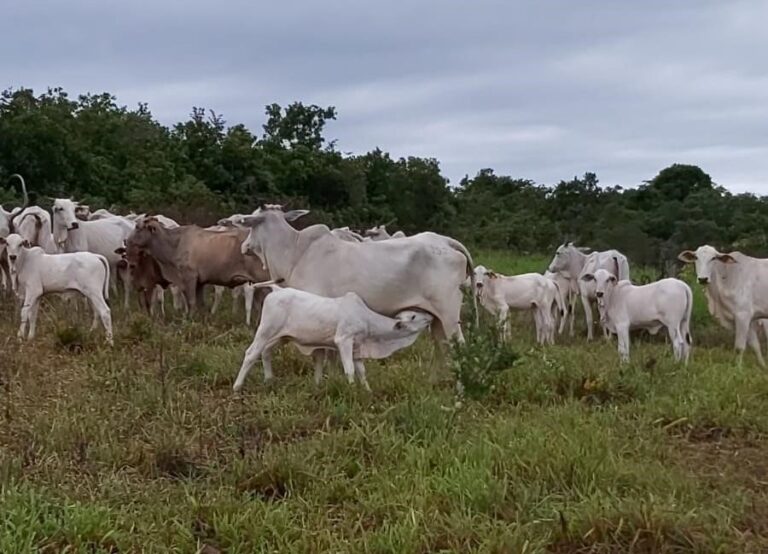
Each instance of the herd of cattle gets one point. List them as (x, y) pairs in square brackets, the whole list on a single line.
[(361, 296)]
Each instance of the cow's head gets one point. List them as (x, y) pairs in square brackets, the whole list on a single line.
[(145, 231), (14, 244), (260, 224), (705, 257), (412, 321), (82, 212), (604, 283), (64, 219), (564, 257)]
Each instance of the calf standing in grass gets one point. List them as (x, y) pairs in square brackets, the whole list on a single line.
[(624, 306), (38, 273), (529, 291), (316, 323)]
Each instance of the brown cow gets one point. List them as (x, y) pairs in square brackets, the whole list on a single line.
[(191, 257), (146, 276)]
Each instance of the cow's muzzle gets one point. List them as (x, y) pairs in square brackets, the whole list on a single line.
[(74, 226), (599, 294), (704, 280), (12, 257)]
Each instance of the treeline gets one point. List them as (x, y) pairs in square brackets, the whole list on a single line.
[(96, 151)]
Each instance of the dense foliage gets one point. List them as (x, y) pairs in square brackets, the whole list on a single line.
[(104, 154)]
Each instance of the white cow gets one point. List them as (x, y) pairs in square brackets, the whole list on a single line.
[(624, 306), (528, 291), (569, 293), (38, 273), (101, 236), (315, 324), (572, 263), (736, 288), (380, 233), (33, 224), (424, 272)]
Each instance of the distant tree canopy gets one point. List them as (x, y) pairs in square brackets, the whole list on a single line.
[(106, 155)]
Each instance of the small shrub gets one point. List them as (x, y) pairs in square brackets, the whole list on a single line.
[(477, 362)]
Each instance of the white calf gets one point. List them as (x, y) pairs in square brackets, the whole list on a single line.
[(38, 273), (316, 323), (624, 306), (529, 291)]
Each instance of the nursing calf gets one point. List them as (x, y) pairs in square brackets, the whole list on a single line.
[(624, 306), (316, 324)]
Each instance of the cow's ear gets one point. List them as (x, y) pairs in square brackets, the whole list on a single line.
[(612, 278), (2, 240), (26, 244), (120, 251), (295, 214), (687, 257), (492, 274), (587, 277), (725, 258)]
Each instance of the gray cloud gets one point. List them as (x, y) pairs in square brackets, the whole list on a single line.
[(538, 89)]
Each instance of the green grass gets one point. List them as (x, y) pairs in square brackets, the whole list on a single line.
[(144, 448)]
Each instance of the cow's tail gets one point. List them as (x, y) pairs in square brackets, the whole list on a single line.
[(272, 284), (561, 305), (685, 326), (456, 245), (105, 285)]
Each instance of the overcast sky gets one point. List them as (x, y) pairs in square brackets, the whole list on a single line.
[(538, 89)]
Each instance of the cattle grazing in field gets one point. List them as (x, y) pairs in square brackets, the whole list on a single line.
[(102, 236), (191, 257), (736, 288), (572, 263), (315, 324), (38, 273), (528, 292), (624, 306), (424, 272)]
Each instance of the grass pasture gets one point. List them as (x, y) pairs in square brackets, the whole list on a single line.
[(144, 448)]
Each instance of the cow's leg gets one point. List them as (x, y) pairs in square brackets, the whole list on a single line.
[(502, 320), (263, 340), (218, 293), (742, 326), (125, 277), (623, 339), (236, 292), (249, 292), (346, 347), (200, 295), (754, 342), (25, 309), (158, 299), (360, 371), (34, 307), (587, 305), (190, 293), (678, 349), (318, 357), (101, 308), (572, 309), (179, 302)]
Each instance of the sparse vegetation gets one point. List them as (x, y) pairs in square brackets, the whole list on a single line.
[(144, 448)]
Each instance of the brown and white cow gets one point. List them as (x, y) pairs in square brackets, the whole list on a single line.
[(191, 257)]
